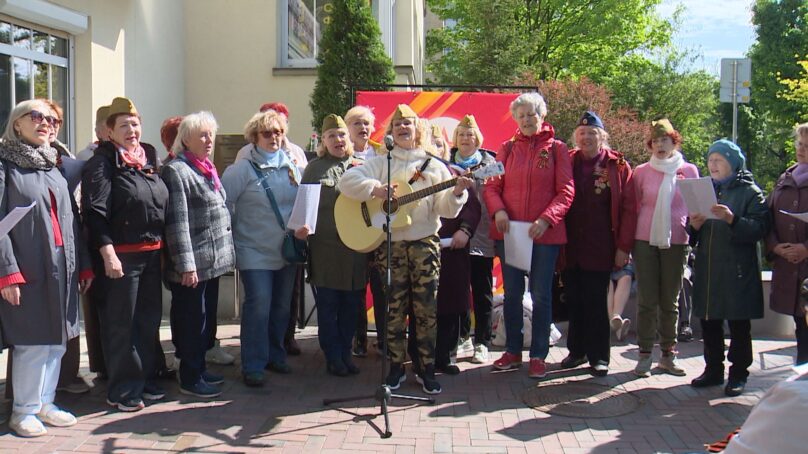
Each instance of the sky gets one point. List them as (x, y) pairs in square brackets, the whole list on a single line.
[(715, 29)]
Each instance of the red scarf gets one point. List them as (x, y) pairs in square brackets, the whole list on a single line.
[(205, 167), (135, 158)]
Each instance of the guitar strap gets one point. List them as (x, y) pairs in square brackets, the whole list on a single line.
[(417, 176)]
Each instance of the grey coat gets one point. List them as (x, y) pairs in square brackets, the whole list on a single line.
[(198, 231), (48, 313)]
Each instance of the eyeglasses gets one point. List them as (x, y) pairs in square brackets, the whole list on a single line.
[(39, 117), (271, 133)]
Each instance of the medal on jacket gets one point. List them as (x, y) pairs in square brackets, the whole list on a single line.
[(544, 158), (601, 175)]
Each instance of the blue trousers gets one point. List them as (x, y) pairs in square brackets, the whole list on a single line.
[(337, 312), (193, 319)]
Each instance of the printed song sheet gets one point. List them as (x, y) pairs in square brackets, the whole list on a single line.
[(699, 195), (304, 211), (518, 245)]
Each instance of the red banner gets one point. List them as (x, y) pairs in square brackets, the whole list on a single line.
[(446, 109)]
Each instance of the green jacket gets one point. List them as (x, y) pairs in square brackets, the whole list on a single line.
[(331, 263), (727, 282)]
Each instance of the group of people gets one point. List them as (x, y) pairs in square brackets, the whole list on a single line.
[(124, 222)]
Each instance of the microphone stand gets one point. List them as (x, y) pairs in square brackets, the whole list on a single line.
[(383, 393)]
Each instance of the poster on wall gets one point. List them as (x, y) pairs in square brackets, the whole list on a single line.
[(446, 109)]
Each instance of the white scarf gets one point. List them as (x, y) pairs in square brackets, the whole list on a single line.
[(661, 222)]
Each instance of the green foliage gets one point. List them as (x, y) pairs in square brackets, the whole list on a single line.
[(765, 125), (493, 41), (797, 89), (666, 88), (351, 53)]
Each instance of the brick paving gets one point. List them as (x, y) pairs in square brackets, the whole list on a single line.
[(478, 411)]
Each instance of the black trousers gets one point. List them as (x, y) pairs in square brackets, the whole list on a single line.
[(294, 311), (589, 316), (377, 290), (482, 283), (129, 319), (802, 339), (740, 347), (448, 335), (193, 318)]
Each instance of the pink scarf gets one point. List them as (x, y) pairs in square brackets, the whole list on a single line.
[(135, 158), (205, 167)]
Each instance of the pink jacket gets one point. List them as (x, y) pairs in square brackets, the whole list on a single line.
[(647, 180), (537, 183)]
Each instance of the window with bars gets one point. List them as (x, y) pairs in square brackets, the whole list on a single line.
[(33, 64)]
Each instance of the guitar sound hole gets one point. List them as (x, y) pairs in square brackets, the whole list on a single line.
[(391, 208)]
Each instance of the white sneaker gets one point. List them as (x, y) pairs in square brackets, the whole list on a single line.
[(56, 417), (26, 426), (465, 346), (218, 355), (480, 354)]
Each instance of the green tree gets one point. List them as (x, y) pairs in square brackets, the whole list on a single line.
[(493, 41), (351, 53), (797, 89)]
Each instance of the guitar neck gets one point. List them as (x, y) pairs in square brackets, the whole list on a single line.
[(421, 193)]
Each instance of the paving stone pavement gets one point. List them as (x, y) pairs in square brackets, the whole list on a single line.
[(478, 411)]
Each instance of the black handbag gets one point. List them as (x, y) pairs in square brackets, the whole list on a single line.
[(293, 250)]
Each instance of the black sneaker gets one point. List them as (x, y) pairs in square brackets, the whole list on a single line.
[(254, 379), (360, 349), (449, 369), (708, 379), (128, 404), (734, 387), (201, 389), (212, 379), (685, 334), (151, 391), (396, 377), (427, 380), (571, 362)]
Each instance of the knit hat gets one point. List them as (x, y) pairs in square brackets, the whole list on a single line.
[(590, 118), (121, 106), (101, 114), (333, 121), (403, 111), (661, 128), (468, 122), (730, 151)]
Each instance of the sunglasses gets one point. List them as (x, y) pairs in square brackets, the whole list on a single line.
[(271, 133), (39, 117)]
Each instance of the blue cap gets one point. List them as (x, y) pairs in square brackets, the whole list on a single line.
[(730, 151), (590, 118)]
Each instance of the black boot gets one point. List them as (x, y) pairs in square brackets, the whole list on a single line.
[(708, 378)]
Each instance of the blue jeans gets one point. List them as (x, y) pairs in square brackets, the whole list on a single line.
[(193, 318), (267, 302), (337, 312), (540, 280)]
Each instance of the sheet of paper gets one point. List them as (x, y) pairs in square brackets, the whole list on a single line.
[(13, 217), (445, 242), (518, 245), (699, 195), (304, 211), (801, 216)]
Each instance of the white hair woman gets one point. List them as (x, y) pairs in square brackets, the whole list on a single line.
[(200, 249), (537, 188), (40, 308)]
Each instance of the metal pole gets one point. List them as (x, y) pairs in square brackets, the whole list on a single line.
[(735, 101)]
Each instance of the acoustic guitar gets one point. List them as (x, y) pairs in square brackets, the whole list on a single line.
[(361, 225)]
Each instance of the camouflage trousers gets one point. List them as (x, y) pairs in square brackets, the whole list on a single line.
[(414, 284)]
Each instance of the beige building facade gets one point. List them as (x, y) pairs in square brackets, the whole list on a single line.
[(172, 57)]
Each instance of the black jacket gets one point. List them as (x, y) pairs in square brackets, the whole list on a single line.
[(121, 204)]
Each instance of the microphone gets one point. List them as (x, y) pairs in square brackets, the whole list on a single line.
[(388, 142)]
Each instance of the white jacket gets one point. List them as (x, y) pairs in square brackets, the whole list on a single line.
[(360, 181)]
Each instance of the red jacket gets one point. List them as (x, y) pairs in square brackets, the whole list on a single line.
[(624, 199), (537, 183)]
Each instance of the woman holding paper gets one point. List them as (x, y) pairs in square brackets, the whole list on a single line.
[(200, 249), (336, 271), (787, 242), (727, 283), (600, 229), (660, 246), (537, 189), (40, 274), (258, 187)]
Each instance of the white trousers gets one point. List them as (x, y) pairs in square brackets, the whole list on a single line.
[(34, 376)]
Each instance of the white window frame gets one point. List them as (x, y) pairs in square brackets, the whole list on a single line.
[(39, 57)]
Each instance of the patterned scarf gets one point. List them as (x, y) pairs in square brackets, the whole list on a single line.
[(471, 161), (205, 167), (135, 158), (27, 156)]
